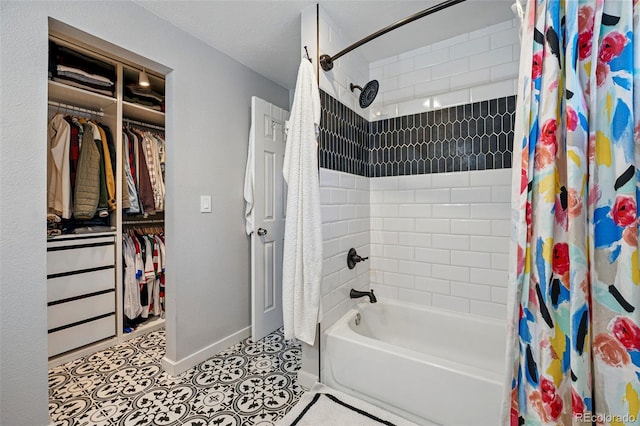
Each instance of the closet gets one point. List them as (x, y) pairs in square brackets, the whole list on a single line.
[(105, 199)]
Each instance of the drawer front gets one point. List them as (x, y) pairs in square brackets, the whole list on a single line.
[(79, 240), (69, 259), (76, 285), (80, 309), (80, 335)]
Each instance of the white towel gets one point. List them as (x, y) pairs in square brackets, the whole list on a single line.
[(302, 257), (249, 184)]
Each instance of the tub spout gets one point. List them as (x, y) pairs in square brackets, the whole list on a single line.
[(355, 294)]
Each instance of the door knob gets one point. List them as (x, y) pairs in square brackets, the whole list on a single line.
[(262, 231)]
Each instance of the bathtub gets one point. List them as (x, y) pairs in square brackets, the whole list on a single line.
[(431, 366)]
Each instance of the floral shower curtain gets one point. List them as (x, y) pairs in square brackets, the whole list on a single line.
[(574, 354)]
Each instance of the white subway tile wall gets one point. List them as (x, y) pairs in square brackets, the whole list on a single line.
[(344, 200), (442, 240), (471, 67), (439, 239), (351, 68)]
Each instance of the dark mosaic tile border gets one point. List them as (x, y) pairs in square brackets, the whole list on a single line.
[(344, 138), (475, 136)]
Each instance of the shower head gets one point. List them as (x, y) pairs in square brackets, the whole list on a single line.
[(368, 93)]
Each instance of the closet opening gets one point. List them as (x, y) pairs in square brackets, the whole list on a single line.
[(106, 201)]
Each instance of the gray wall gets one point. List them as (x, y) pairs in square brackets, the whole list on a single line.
[(207, 128)]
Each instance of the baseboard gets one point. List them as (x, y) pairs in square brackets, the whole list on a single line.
[(306, 379), (90, 349), (175, 368)]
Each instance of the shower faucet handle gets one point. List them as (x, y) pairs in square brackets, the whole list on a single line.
[(353, 258)]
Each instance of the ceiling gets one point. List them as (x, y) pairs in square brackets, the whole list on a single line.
[(265, 35)]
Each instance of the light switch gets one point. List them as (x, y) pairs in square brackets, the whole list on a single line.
[(205, 204)]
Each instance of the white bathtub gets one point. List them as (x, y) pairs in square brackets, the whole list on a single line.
[(428, 365)]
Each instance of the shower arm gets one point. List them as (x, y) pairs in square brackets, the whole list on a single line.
[(326, 61)]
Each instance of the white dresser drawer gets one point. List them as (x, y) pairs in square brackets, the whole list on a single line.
[(69, 240), (80, 335), (69, 286), (66, 313), (90, 254)]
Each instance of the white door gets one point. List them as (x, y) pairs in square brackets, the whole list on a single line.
[(269, 207)]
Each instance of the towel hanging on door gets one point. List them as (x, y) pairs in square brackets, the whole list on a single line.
[(249, 182), (302, 256)]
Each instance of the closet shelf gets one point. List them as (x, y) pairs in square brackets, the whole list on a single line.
[(141, 113), (86, 234), (62, 93), (152, 324)]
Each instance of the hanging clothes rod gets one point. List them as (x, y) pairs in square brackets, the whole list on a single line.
[(326, 61), (142, 221), (140, 123), (75, 108)]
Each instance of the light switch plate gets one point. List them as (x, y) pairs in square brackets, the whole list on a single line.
[(205, 204)]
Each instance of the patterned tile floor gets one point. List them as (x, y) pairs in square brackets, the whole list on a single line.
[(251, 383)]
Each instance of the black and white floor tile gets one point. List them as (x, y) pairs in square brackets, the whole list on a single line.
[(250, 383)]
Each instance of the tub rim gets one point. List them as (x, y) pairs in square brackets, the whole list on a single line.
[(426, 308)]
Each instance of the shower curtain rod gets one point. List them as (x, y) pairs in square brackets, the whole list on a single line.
[(326, 61)]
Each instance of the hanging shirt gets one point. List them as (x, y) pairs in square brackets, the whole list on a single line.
[(161, 147), (132, 306), (145, 188), (124, 194), (163, 268), (155, 170), (110, 182), (58, 169), (132, 193), (74, 150), (87, 189), (103, 204), (149, 277)]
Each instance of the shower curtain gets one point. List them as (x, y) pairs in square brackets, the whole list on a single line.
[(574, 286)]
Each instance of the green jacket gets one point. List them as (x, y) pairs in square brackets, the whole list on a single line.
[(87, 190)]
